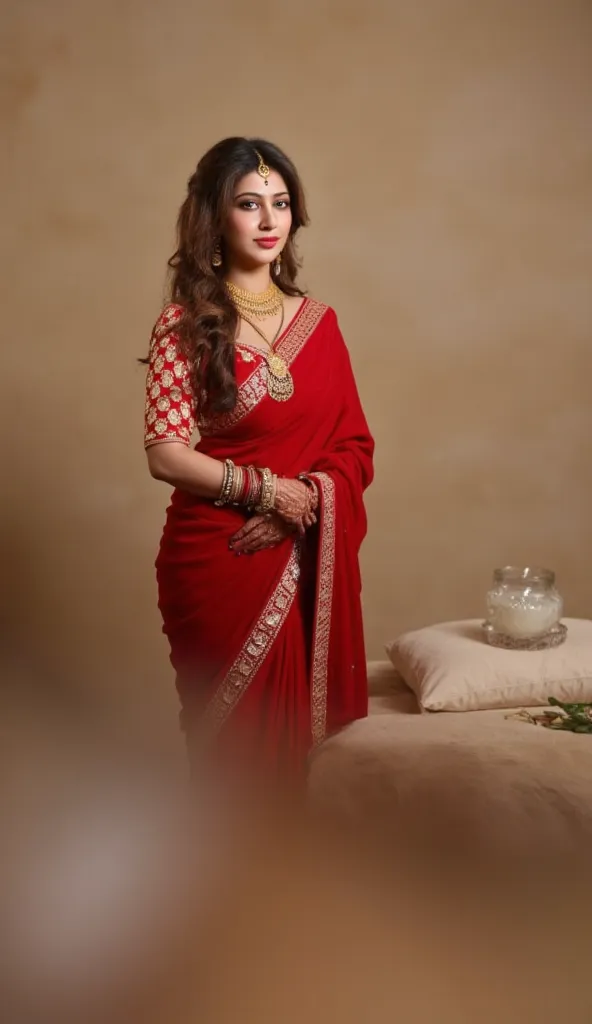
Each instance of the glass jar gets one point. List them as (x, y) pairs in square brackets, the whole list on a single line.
[(524, 609)]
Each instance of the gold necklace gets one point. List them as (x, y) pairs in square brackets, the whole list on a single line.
[(280, 385), (258, 305)]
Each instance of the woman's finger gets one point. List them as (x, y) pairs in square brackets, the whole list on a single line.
[(242, 533), (247, 529), (259, 543), (242, 543)]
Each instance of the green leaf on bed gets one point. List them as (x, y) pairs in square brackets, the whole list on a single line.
[(575, 717)]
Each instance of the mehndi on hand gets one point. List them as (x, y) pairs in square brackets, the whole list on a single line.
[(260, 532)]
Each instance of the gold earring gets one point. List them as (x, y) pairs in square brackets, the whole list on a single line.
[(277, 264), (217, 254)]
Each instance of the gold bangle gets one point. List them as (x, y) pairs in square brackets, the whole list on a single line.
[(220, 499), (266, 501), (237, 485), (226, 483), (230, 481), (266, 485)]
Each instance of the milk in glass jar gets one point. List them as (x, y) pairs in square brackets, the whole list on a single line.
[(524, 609)]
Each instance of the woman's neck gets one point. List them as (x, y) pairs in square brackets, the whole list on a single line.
[(257, 280)]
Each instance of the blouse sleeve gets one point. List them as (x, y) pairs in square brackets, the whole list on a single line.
[(170, 404)]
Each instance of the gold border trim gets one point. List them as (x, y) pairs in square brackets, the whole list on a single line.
[(257, 645), (324, 606), (173, 438), (254, 389)]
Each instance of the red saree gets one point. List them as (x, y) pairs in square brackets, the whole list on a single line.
[(271, 643)]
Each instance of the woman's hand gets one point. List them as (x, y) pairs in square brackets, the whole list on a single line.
[(294, 501), (260, 532)]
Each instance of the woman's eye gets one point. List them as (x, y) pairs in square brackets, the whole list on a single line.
[(250, 204)]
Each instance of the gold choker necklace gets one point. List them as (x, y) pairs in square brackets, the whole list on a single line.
[(251, 306), (256, 304)]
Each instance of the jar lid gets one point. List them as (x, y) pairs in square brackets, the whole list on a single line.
[(526, 574)]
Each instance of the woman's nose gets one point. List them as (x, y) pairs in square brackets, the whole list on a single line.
[(268, 217)]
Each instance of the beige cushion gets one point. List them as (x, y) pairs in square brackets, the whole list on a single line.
[(450, 667)]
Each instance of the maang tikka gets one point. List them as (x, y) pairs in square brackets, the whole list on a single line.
[(263, 169)]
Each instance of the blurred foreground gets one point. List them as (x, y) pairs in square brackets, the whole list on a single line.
[(131, 894)]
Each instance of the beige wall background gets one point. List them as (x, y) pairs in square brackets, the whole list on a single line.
[(446, 146)]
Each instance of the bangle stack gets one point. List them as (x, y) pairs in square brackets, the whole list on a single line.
[(247, 487)]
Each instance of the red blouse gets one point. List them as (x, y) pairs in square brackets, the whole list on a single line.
[(170, 410)]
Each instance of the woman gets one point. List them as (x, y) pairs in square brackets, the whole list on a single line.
[(258, 577)]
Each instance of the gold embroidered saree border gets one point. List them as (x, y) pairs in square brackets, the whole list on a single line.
[(257, 645), (267, 628), (254, 389), (324, 606)]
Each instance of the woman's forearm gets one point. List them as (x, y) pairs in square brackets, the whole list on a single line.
[(182, 467), (186, 469)]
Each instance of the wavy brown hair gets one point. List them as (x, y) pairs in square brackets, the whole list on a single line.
[(209, 323)]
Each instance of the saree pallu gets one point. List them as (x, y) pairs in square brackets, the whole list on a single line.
[(271, 645)]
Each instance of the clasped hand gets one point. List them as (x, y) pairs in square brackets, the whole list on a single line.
[(293, 513)]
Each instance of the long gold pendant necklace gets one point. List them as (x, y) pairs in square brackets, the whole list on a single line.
[(280, 385)]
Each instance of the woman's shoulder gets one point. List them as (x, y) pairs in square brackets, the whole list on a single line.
[(318, 309), (167, 318)]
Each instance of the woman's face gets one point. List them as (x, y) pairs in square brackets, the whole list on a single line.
[(258, 222)]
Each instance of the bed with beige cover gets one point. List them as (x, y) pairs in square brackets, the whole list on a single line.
[(488, 779)]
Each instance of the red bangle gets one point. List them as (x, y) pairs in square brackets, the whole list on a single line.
[(245, 484), (252, 489)]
